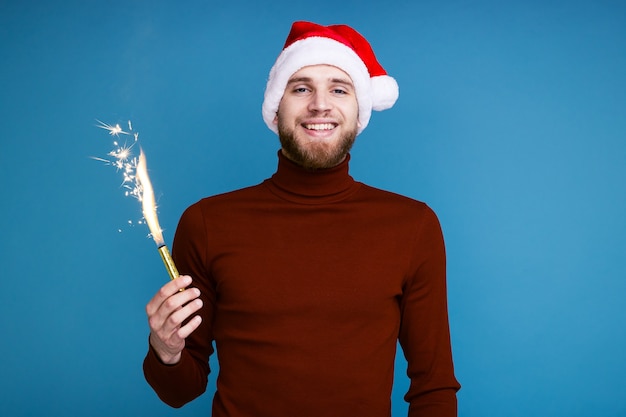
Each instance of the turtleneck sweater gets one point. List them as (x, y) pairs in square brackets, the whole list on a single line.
[(309, 280)]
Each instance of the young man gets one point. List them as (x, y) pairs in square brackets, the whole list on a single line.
[(307, 281)]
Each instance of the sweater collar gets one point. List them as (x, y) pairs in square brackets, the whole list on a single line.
[(294, 183)]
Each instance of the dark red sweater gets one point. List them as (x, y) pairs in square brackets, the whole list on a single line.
[(308, 280)]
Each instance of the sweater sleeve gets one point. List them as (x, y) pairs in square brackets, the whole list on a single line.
[(424, 330), (178, 384)]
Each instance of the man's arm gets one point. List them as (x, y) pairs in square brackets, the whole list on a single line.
[(424, 331), (176, 365)]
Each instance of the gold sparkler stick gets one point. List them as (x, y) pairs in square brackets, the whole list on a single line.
[(168, 261)]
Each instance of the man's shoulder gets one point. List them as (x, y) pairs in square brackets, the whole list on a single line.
[(397, 211), (397, 205), (227, 199), (231, 195), (392, 197)]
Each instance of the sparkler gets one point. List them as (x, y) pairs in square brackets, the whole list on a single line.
[(149, 213), (138, 185)]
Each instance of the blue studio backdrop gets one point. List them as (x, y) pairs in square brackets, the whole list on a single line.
[(511, 124)]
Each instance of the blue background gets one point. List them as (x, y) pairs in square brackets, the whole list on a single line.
[(511, 124)]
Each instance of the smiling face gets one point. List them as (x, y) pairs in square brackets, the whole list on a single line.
[(317, 117)]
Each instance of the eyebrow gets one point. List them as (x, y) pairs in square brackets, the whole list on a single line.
[(343, 81)]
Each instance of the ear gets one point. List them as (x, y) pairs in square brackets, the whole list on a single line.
[(275, 121)]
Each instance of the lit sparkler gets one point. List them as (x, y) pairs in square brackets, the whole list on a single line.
[(148, 206), (136, 183)]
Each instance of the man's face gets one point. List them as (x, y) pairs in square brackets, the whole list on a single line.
[(317, 117)]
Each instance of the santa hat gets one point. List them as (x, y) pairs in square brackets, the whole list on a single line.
[(339, 46)]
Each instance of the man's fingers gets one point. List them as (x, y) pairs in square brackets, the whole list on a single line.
[(173, 311), (171, 306), (188, 328), (178, 317), (165, 292)]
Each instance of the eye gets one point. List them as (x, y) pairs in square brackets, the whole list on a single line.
[(339, 91), (300, 90)]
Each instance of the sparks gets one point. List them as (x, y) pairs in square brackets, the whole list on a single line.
[(135, 180), (122, 153), (113, 130), (136, 183), (122, 159)]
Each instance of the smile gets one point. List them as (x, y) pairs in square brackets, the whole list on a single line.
[(320, 126)]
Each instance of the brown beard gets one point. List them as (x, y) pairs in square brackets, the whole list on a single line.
[(317, 155)]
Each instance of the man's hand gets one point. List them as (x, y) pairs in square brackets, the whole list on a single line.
[(167, 310)]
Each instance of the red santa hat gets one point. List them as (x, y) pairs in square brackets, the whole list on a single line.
[(339, 46)]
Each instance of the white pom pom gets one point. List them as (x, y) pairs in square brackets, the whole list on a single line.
[(385, 92)]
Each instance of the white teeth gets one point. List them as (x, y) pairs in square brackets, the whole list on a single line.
[(320, 126)]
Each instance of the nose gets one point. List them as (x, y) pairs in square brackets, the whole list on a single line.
[(320, 102)]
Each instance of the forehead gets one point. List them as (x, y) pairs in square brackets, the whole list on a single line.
[(321, 72)]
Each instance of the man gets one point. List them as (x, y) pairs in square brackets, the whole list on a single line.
[(306, 281)]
